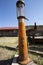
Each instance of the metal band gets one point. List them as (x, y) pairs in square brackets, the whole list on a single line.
[(19, 2), (20, 17)]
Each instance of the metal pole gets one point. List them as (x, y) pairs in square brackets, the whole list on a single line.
[(23, 51)]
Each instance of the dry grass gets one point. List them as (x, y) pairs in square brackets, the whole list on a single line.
[(7, 50), (36, 58), (7, 45), (9, 41)]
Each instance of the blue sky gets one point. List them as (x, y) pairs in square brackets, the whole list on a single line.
[(33, 11)]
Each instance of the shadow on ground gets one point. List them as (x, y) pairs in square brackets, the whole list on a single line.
[(36, 49), (9, 61), (9, 48), (6, 62)]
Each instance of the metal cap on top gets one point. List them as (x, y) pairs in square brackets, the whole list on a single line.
[(20, 2), (20, 9)]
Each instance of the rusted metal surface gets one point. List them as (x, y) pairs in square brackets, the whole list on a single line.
[(23, 51)]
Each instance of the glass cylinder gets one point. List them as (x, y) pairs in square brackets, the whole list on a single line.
[(20, 9)]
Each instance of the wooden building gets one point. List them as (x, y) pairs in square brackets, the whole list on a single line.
[(9, 31), (35, 34), (13, 31)]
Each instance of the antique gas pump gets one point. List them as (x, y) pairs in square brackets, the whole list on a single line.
[(23, 51)]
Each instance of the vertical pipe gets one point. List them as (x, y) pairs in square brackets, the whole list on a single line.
[(23, 51)]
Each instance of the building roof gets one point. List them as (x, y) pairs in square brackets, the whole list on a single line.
[(8, 28)]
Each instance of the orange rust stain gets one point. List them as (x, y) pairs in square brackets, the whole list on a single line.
[(23, 51)]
